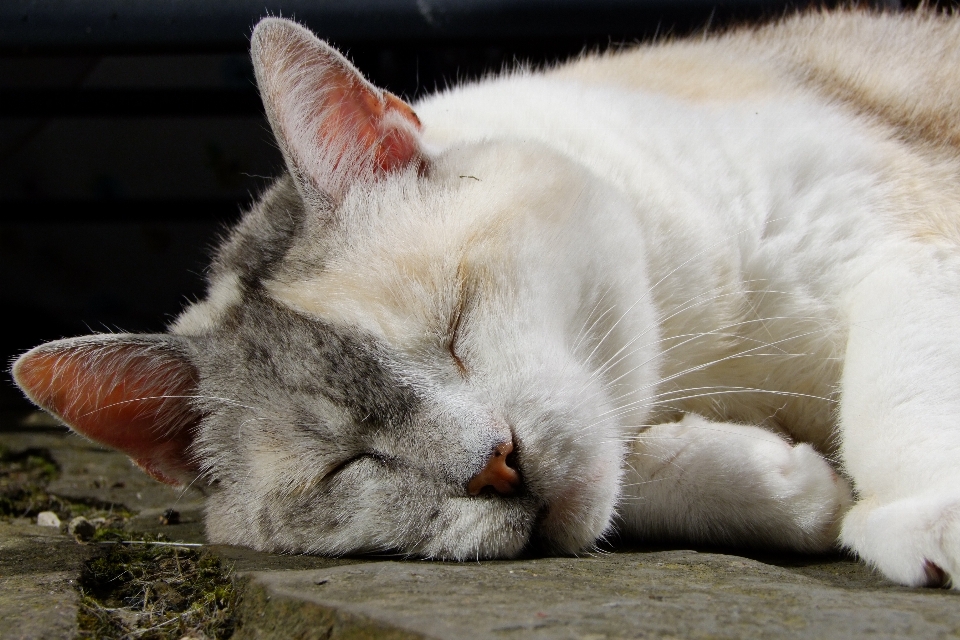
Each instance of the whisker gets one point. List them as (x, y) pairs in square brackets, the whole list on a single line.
[(732, 356), (164, 397), (654, 286), (747, 353), (716, 332), (585, 330), (688, 338), (718, 391)]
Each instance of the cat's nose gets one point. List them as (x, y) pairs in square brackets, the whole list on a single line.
[(496, 474)]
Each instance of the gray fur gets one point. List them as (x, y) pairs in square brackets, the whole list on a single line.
[(322, 398), (265, 343), (264, 236)]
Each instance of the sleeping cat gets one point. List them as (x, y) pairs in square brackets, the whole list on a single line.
[(703, 291)]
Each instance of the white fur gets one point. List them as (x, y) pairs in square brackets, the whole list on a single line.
[(733, 484), (200, 317), (765, 231), (659, 294)]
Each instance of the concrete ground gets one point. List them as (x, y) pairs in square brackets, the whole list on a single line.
[(622, 594)]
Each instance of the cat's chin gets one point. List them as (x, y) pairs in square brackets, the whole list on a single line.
[(560, 529), (577, 477), (578, 518)]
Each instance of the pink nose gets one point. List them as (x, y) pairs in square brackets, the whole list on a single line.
[(496, 474)]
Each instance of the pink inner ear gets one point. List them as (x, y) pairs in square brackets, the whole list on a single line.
[(125, 396), (333, 124), (386, 127)]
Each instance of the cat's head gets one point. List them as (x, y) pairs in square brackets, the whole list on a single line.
[(402, 349)]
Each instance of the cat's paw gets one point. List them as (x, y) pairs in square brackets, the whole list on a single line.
[(914, 541), (809, 498), (738, 484)]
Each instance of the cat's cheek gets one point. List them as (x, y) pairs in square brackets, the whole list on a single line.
[(484, 528), (583, 512)]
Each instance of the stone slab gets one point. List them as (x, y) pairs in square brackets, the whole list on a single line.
[(38, 567), (662, 594), (89, 471)]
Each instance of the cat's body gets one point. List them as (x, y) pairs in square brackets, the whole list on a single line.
[(557, 304)]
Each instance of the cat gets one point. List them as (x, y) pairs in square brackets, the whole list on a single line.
[(700, 291)]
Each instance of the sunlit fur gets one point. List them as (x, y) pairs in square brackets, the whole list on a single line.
[(707, 288)]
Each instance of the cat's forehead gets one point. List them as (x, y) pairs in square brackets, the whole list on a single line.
[(404, 249), (387, 265)]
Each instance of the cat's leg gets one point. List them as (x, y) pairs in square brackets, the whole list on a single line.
[(900, 424), (722, 483)]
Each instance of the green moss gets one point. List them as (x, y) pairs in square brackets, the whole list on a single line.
[(24, 476), (141, 590), (112, 534), (155, 592)]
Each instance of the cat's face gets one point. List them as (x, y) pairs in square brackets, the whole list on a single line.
[(402, 350), (367, 387)]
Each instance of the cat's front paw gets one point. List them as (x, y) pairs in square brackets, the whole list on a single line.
[(734, 484), (809, 496), (914, 541)]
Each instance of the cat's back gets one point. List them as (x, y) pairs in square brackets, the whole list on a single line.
[(896, 74), (902, 68)]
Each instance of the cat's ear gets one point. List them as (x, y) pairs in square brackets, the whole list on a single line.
[(129, 392), (334, 127)]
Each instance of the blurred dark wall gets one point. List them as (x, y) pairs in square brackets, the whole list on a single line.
[(126, 147)]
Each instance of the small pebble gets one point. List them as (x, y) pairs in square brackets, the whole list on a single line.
[(170, 516), (81, 529), (48, 519)]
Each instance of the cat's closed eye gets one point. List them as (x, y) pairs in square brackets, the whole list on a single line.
[(452, 335), (338, 468)]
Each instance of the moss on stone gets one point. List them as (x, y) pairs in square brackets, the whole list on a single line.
[(130, 587), (24, 476), (155, 592)]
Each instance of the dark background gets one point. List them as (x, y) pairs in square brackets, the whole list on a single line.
[(131, 133)]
